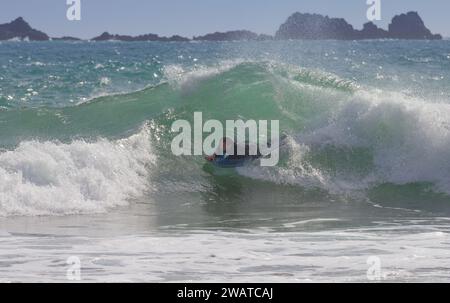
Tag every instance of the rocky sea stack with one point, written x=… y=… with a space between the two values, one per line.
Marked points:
x=314 y=26
x=410 y=26
x=20 y=29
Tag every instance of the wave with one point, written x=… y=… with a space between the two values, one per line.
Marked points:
x=370 y=139
x=343 y=137
x=53 y=178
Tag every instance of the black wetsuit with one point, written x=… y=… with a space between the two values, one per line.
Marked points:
x=246 y=154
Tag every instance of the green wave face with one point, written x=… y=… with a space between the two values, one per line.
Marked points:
x=245 y=91
x=342 y=138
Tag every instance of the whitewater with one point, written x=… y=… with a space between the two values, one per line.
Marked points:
x=86 y=168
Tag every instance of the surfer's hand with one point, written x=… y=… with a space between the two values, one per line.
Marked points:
x=209 y=158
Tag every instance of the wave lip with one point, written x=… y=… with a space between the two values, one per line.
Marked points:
x=53 y=178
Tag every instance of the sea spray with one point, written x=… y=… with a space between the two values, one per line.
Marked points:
x=53 y=178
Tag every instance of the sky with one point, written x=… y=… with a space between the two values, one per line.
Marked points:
x=197 y=17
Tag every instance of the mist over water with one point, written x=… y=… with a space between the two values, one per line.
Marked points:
x=85 y=134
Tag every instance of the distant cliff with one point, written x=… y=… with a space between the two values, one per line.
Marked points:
x=148 y=37
x=19 y=29
x=240 y=35
x=314 y=26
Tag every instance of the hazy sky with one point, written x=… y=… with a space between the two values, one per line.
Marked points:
x=196 y=17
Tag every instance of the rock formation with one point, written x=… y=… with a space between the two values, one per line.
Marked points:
x=19 y=29
x=147 y=37
x=240 y=35
x=314 y=26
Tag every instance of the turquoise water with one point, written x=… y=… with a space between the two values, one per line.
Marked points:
x=85 y=134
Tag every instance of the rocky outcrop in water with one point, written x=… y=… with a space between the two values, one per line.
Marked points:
x=297 y=26
x=371 y=31
x=410 y=26
x=240 y=35
x=148 y=37
x=66 y=38
x=19 y=29
x=314 y=26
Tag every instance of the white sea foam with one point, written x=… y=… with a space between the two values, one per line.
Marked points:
x=409 y=140
x=406 y=254
x=409 y=137
x=52 y=178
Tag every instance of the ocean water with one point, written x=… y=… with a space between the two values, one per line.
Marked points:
x=86 y=168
